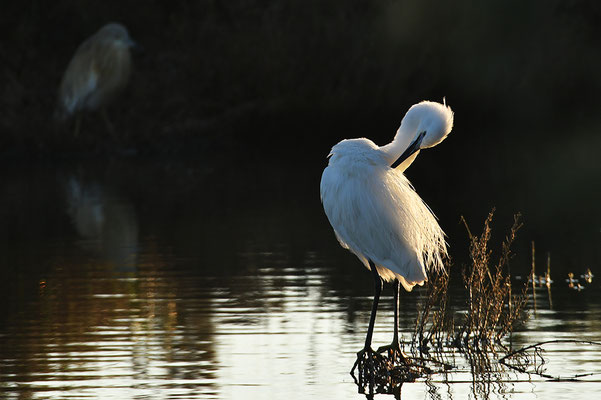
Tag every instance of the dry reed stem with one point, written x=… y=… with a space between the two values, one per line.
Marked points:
x=492 y=307
x=492 y=311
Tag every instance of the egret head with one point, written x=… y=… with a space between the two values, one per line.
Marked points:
x=425 y=125
x=116 y=34
x=435 y=119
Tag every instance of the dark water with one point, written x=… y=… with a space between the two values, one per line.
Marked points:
x=166 y=280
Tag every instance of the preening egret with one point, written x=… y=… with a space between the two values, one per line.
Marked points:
x=375 y=211
x=98 y=71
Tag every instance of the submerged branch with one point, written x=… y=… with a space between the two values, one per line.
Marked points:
x=538 y=345
x=537 y=361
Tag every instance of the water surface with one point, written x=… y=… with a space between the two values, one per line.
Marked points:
x=166 y=280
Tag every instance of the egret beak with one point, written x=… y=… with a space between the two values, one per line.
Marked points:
x=413 y=147
x=135 y=46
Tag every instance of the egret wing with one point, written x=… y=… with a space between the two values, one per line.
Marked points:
x=378 y=216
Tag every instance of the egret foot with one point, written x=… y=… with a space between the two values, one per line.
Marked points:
x=370 y=367
x=395 y=354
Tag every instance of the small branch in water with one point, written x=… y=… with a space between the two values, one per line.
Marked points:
x=537 y=348
x=523 y=349
x=548 y=280
x=533 y=277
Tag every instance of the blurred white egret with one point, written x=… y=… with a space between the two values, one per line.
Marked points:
x=98 y=71
x=376 y=213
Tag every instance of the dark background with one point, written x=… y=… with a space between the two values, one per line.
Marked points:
x=343 y=64
x=233 y=83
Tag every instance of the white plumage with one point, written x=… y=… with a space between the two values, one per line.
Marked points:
x=374 y=209
x=97 y=73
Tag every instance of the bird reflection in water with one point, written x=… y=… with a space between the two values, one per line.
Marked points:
x=97 y=73
x=107 y=223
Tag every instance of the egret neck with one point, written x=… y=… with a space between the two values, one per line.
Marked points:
x=412 y=149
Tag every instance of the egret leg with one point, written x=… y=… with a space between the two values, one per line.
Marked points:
x=374 y=307
x=397 y=287
x=394 y=348
x=369 y=363
x=77 y=124
x=107 y=122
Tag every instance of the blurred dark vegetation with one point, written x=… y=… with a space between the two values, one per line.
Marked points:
x=307 y=73
x=234 y=82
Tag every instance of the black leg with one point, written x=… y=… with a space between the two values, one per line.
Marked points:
x=397 y=287
x=374 y=308
x=394 y=349
x=107 y=122
x=369 y=363
x=78 y=118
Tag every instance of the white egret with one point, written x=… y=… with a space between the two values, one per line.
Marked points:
x=98 y=71
x=376 y=213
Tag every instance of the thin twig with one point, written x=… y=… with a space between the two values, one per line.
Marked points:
x=524 y=349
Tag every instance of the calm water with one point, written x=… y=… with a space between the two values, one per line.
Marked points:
x=166 y=280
